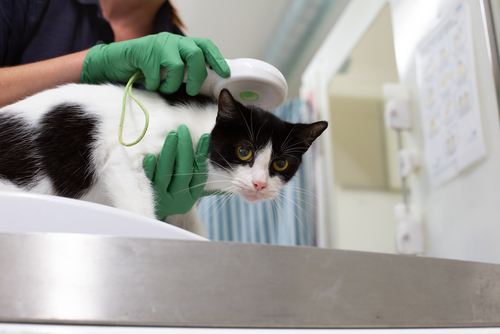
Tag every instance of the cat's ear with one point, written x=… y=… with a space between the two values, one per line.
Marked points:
x=309 y=132
x=228 y=106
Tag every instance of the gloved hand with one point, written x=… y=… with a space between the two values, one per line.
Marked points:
x=180 y=175
x=119 y=61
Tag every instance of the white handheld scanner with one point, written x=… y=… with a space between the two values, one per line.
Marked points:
x=252 y=82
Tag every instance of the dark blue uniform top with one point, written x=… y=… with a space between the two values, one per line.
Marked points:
x=34 y=30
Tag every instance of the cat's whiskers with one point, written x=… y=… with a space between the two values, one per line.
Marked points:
x=187 y=189
x=202 y=185
x=293 y=152
x=224 y=183
x=251 y=123
x=223 y=173
x=224 y=200
x=249 y=131
x=297 y=144
x=304 y=191
x=197 y=173
x=215 y=163
x=227 y=196
x=223 y=168
x=287 y=139
x=257 y=136
x=240 y=183
x=226 y=180
x=281 y=197
x=305 y=202
x=278 y=204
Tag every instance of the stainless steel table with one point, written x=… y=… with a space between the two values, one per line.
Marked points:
x=99 y=280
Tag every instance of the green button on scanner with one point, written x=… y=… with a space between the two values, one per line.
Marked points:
x=249 y=96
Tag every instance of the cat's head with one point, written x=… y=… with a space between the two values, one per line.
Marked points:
x=253 y=152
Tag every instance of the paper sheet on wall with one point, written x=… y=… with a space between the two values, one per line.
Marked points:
x=448 y=97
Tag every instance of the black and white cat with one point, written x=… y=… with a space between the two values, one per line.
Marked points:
x=64 y=141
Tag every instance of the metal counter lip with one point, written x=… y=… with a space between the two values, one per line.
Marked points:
x=117 y=281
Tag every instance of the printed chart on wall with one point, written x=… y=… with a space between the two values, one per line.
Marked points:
x=448 y=97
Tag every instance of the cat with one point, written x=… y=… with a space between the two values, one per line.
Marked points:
x=64 y=141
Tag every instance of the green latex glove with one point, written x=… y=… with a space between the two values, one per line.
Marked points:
x=119 y=61
x=180 y=175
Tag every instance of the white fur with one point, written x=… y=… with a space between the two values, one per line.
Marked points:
x=121 y=181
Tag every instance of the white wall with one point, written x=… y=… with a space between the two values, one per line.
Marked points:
x=345 y=35
x=357 y=229
x=462 y=216
x=363 y=197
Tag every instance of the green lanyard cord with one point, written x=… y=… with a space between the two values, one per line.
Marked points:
x=128 y=90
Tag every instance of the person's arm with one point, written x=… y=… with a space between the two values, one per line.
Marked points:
x=18 y=82
x=119 y=61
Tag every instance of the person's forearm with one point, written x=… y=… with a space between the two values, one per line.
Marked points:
x=18 y=82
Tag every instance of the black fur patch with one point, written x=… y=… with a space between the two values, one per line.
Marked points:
x=18 y=154
x=181 y=98
x=65 y=138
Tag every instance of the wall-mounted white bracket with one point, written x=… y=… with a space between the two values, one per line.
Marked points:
x=410 y=230
x=408 y=161
x=397 y=107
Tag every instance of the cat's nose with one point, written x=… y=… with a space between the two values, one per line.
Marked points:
x=259 y=185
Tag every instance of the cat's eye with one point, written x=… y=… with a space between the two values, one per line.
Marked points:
x=280 y=165
x=244 y=153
